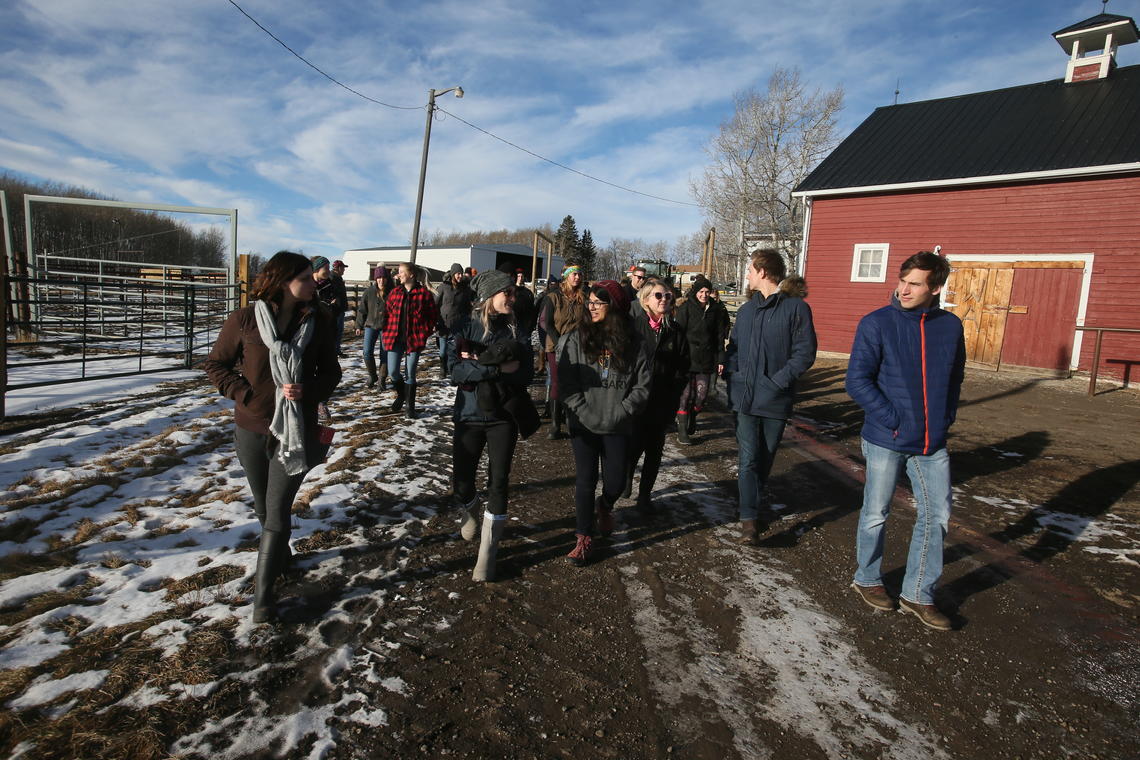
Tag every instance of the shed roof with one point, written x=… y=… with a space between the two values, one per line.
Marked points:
x=1045 y=127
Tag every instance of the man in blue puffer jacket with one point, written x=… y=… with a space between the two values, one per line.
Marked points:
x=772 y=343
x=906 y=371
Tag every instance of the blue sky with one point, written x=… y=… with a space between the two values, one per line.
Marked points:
x=189 y=103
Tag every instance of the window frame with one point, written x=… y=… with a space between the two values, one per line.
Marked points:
x=861 y=248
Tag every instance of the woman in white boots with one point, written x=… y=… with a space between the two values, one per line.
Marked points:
x=492 y=367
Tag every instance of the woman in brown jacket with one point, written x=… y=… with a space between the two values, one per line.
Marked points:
x=564 y=312
x=276 y=360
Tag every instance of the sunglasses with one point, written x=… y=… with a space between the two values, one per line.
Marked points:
x=663 y=296
x=595 y=304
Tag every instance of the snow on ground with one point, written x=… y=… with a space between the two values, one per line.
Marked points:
x=147 y=497
x=133 y=523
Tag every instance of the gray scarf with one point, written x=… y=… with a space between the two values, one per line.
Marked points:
x=285 y=363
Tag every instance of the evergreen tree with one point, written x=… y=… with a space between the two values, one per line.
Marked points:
x=566 y=240
x=588 y=256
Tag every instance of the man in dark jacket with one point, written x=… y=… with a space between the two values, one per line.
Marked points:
x=906 y=371
x=771 y=345
x=453 y=299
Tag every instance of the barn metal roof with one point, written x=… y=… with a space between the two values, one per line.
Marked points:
x=1045 y=127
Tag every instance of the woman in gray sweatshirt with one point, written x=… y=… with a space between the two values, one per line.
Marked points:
x=604 y=370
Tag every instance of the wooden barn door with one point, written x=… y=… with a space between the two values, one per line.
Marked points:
x=979 y=294
x=1021 y=313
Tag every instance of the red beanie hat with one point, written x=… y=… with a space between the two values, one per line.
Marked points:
x=614 y=292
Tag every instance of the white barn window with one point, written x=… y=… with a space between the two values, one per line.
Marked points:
x=869 y=264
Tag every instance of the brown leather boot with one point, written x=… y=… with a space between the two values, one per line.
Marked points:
x=749 y=533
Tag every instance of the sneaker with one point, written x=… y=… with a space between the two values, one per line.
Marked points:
x=927 y=613
x=875 y=596
x=581 y=552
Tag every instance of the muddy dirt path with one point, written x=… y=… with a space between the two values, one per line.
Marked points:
x=679 y=642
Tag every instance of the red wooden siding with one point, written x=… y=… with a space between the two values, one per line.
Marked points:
x=1097 y=216
x=1043 y=336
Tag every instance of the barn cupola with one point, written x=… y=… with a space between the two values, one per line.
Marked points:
x=1091 y=45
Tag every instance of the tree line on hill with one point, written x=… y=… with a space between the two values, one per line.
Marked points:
x=108 y=234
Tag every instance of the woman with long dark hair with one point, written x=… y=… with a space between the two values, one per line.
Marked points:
x=412 y=317
x=669 y=348
x=492 y=366
x=276 y=359
x=604 y=371
x=706 y=328
x=370 y=317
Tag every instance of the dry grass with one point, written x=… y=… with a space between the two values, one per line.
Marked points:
x=322 y=539
x=113 y=561
x=50 y=600
x=19 y=531
x=213 y=576
x=22 y=563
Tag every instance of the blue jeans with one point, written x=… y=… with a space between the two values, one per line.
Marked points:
x=339 y=329
x=757 y=438
x=371 y=335
x=930 y=480
x=411 y=359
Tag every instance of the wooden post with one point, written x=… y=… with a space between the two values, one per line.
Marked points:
x=4 y=346
x=243 y=280
x=23 y=309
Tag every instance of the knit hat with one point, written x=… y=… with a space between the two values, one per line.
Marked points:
x=380 y=273
x=700 y=281
x=456 y=268
x=612 y=293
x=490 y=282
x=319 y=262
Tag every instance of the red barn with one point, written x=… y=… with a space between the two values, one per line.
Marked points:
x=1033 y=193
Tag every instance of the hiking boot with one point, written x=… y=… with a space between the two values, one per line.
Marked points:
x=875 y=596
x=582 y=550
x=927 y=613
x=605 y=517
x=750 y=532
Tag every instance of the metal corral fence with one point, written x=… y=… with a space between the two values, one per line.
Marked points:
x=87 y=326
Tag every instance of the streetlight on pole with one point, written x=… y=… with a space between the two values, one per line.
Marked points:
x=423 y=162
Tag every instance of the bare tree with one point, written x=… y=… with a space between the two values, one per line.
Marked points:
x=771 y=143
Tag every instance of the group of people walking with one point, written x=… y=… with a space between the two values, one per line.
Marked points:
x=622 y=362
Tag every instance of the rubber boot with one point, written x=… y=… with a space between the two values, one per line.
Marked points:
x=284 y=555
x=398 y=385
x=693 y=421
x=410 y=410
x=488 y=547
x=683 y=428
x=382 y=371
x=556 y=416
x=268 y=564
x=470 y=526
x=370 y=366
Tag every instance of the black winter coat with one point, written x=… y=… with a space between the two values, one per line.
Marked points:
x=706 y=329
x=669 y=349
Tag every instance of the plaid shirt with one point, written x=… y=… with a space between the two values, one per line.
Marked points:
x=422 y=317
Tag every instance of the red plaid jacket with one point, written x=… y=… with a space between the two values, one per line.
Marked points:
x=424 y=315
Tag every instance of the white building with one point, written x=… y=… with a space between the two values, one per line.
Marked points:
x=438 y=259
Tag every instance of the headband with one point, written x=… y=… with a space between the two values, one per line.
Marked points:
x=571 y=270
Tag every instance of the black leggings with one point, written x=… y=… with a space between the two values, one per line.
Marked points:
x=613 y=451
x=273 y=490
x=649 y=439
x=467 y=445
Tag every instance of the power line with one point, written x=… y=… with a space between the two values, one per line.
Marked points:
x=303 y=60
x=473 y=126
x=563 y=166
